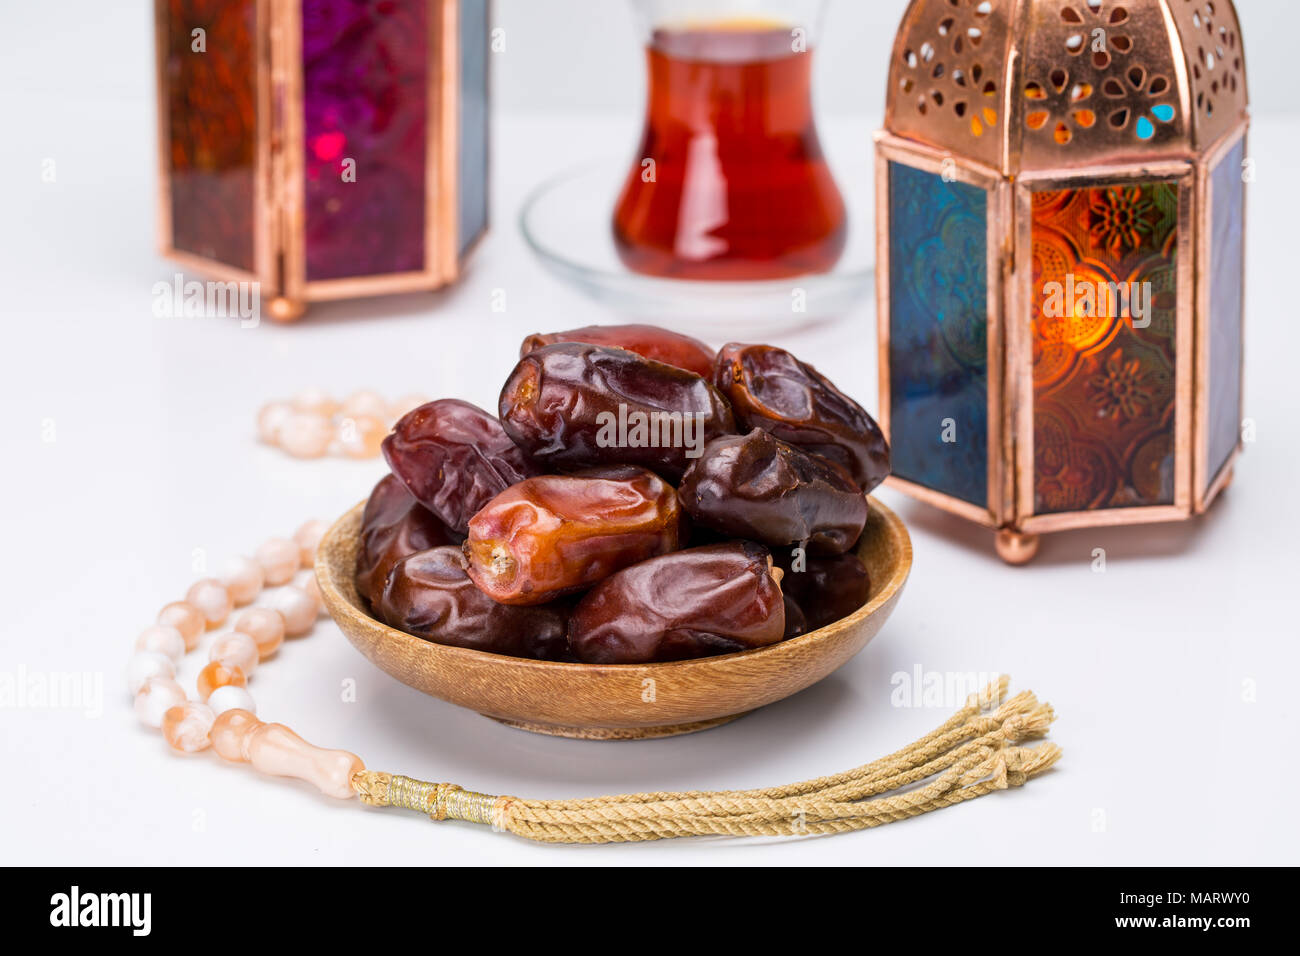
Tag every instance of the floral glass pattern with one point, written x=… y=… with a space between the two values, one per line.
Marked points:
x=1103 y=372
x=365 y=83
x=211 y=127
x=938 y=333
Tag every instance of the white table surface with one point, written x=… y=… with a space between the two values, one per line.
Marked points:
x=1170 y=671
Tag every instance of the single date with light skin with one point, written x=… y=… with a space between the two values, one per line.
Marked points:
x=556 y=534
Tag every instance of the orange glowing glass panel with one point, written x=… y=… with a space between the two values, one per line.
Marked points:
x=1105 y=296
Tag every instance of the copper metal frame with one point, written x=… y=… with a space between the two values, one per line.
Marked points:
x=1010 y=386
x=1019 y=363
x=1205 y=492
x=890 y=148
x=952 y=56
x=263 y=244
x=278 y=217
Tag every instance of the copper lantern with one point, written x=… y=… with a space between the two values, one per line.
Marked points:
x=1060 y=200
x=322 y=148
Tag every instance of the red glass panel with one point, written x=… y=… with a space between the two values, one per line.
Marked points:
x=210 y=96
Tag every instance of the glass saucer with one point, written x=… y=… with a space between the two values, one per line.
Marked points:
x=566 y=222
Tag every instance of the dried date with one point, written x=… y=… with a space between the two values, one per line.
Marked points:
x=454 y=457
x=756 y=486
x=826 y=589
x=572 y=405
x=429 y=594
x=693 y=603
x=393 y=525
x=556 y=534
x=648 y=341
x=796 y=622
x=771 y=389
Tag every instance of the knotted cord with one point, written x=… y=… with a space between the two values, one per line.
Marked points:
x=971 y=754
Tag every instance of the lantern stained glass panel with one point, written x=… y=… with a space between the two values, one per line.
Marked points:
x=365 y=121
x=472 y=197
x=938 y=317
x=1104 y=333
x=210 y=78
x=1227 y=251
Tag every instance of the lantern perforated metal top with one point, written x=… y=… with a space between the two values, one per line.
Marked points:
x=1040 y=84
x=324 y=149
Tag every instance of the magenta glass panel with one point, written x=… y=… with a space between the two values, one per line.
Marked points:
x=365 y=104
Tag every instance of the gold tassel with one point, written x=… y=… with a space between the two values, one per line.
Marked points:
x=970 y=755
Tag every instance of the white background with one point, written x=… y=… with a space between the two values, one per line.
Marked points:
x=1168 y=759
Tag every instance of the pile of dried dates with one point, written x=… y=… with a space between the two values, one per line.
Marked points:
x=636 y=498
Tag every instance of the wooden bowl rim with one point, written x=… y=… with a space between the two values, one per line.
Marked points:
x=893 y=525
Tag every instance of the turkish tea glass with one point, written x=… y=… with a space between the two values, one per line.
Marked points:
x=729 y=181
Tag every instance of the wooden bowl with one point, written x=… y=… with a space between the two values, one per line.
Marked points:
x=615 y=701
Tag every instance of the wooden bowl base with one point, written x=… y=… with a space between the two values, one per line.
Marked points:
x=606 y=701
x=619 y=733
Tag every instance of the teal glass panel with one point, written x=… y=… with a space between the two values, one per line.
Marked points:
x=938 y=340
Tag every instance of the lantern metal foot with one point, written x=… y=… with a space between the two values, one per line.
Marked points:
x=1015 y=547
x=283 y=309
